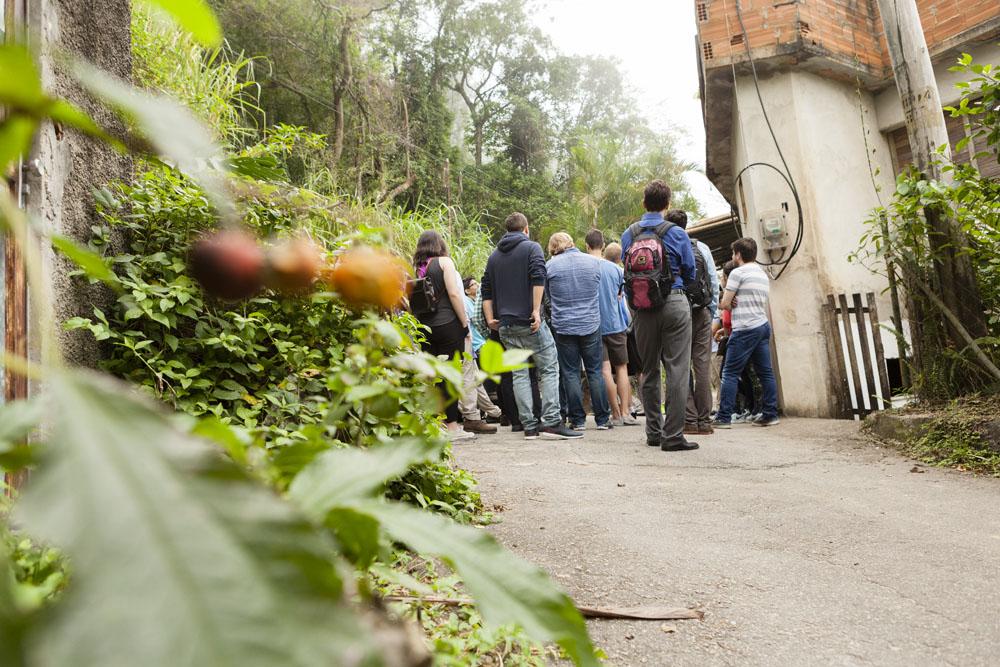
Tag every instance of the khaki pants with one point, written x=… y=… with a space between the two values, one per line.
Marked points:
x=699 y=402
x=474 y=396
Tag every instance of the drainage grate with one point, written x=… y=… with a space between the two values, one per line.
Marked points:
x=706 y=51
x=736 y=39
x=702 y=11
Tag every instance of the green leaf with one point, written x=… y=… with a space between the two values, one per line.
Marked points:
x=493 y=360
x=214 y=429
x=194 y=16
x=340 y=476
x=161 y=529
x=20 y=84
x=176 y=134
x=506 y=589
x=263 y=168
x=12 y=622
x=16 y=133
x=357 y=534
x=90 y=262
x=18 y=419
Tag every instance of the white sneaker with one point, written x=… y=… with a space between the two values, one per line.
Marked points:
x=456 y=435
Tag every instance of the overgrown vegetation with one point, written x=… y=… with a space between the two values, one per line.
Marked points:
x=255 y=520
x=963 y=433
x=954 y=353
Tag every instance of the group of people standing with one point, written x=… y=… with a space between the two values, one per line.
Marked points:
x=576 y=314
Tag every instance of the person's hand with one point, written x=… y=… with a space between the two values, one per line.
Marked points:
x=536 y=321
x=494 y=325
x=719 y=335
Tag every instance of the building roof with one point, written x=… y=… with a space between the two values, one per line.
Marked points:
x=830 y=38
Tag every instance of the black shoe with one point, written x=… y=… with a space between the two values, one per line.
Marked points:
x=493 y=420
x=531 y=434
x=653 y=443
x=766 y=421
x=605 y=427
x=680 y=447
x=560 y=433
x=517 y=428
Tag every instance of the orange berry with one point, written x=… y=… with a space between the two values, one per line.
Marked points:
x=365 y=276
x=294 y=265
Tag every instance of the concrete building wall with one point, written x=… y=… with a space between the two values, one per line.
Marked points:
x=66 y=167
x=818 y=123
x=888 y=108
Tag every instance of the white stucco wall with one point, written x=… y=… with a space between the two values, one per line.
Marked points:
x=888 y=108
x=818 y=123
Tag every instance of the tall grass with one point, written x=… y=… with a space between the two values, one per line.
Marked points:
x=217 y=84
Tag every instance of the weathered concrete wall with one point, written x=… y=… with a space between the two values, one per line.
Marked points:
x=818 y=123
x=889 y=109
x=66 y=166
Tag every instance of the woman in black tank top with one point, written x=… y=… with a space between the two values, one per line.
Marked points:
x=449 y=326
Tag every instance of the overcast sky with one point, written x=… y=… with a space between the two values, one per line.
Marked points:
x=654 y=41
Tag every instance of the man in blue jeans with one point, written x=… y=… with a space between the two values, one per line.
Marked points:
x=747 y=293
x=574 y=283
x=512 y=287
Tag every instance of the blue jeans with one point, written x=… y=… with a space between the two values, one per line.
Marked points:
x=748 y=346
x=544 y=358
x=590 y=349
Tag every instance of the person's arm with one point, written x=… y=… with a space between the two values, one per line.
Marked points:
x=486 y=290
x=537 y=293
x=713 y=277
x=729 y=298
x=536 y=276
x=453 y=285
x=686 y=255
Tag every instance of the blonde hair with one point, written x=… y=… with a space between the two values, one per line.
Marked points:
x=560 y=242
x=613 y=252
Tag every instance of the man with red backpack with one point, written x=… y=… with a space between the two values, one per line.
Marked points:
x=659 y=264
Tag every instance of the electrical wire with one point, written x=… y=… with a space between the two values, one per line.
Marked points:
x=786 y=174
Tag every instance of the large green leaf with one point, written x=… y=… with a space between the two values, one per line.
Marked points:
x=16 y=133
x=11 y=619
x=506 y=589
x=20 y=84
x=178 y=557
x=175 y=133
x=92 y=264
x=340 y=476
x=17 y=420
x=194 y=16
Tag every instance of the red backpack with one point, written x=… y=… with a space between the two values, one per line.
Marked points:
x=648 y=277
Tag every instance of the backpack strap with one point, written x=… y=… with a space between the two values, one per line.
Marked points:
x=635 y=229
x=663 y=228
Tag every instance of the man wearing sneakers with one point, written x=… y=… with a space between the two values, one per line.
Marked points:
x=746 y=296
x=574 y=281
x=657 y=270
x=512 y=287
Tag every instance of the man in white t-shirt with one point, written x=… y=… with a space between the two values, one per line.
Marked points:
x=747 y=293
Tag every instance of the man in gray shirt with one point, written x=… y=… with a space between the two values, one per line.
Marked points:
x=747 y=293
x=574 y=280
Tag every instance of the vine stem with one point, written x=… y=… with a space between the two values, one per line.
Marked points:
x=16 y=222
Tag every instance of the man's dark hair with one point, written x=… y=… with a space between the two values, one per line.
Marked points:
x=728 y=267
x=745 y=248
x=466 y=282
x=516 y=222
x=594 y=239
x=656 y=196
x=678 y=217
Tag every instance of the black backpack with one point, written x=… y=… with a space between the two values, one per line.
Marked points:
x=424 y=296
x=699 y=292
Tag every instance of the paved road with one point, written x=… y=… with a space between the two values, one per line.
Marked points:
x=802 y=543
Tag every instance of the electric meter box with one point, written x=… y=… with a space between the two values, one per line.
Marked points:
x=774 y=229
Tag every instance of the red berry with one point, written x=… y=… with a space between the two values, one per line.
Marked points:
x=228 y=264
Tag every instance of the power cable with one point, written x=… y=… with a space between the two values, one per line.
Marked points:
x=786 y=174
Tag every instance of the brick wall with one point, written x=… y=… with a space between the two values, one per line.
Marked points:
x=849 y=31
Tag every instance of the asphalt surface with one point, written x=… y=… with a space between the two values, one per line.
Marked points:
x=802 y=543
